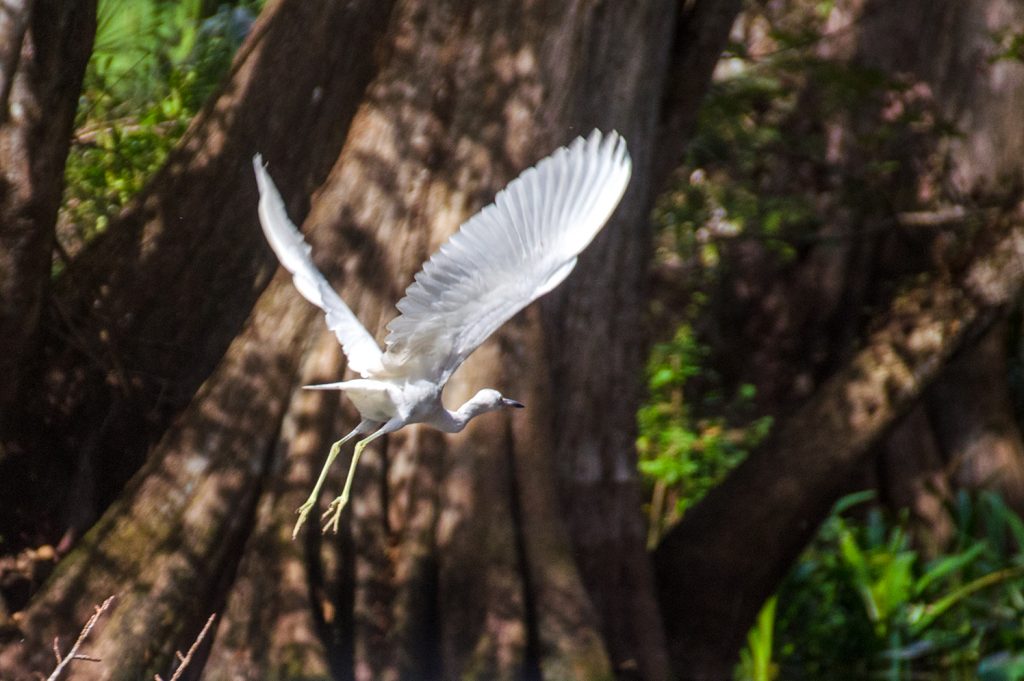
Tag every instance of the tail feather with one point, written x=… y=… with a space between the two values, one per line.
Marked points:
x=327 y=386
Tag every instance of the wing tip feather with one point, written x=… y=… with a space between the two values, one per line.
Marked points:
x=597 y=167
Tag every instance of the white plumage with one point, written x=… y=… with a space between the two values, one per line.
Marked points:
x=503 y=258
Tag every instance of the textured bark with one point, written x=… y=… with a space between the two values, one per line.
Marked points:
x=145 y=313
x=964 y=436
x=492 y=92
x=774 y=501
x=912 y=474
x=731 y=550
x=44 y=48
x=171 y=542
x=972 y=416
x=466 y=507
x=274 y=622
x=701 y=33
x=514 y=549
x=591 y=388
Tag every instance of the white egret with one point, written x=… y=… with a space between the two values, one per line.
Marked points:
x=507 y=255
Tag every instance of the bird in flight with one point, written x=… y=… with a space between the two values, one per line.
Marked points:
x=509 y=254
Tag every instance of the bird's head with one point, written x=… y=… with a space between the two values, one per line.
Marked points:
x=487 y=400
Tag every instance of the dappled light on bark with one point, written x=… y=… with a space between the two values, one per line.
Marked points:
x=477 y=555
x=925 y=281
x=151 y=305
x=178 y=529
x=273 y=623
x=44 y=49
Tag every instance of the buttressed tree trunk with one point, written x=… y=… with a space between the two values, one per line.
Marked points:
x=514 y=548
x=467 y=532
x=44 y=47
x=166 y=547
x=782 y=492
x=736 y=557
x=142 y=316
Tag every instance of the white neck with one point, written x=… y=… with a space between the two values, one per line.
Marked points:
x=455 y=421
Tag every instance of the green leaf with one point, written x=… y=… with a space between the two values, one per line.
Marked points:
x=946 y=565
x=936 y=609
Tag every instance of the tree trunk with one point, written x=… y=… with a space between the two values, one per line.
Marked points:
x=44 y=48
x=964 y=436
x=481 y=528
x=529 y=567
x=913 y=475
x=972 y=415
x=702 y=30
x=144 y=314
x=720 y=578
x=277 y=621
x=719 y=575
x=171 y=543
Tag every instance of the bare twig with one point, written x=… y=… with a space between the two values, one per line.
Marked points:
x=191 y=651
x=73 y=654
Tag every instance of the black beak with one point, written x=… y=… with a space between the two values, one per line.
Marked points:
x=513 y=403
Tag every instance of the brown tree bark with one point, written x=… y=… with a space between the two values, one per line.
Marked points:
x=972 y=416
x=912 y=475
x=702 y=29
x=277 y=620
x=708 y=569
x=166 y=549
x=512 y=549
x=964 y=436
x=144 y=314
x=44 y=48
x=774 y=501
x=508 y=589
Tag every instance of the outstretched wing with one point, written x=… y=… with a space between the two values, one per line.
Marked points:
x=507 y=255
x=363 y=353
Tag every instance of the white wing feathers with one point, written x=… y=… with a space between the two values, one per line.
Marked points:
x=363 y=353
x=507 y=255
x=502 y=259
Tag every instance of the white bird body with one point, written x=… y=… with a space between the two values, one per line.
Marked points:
x=510 y=253
x=382 y=400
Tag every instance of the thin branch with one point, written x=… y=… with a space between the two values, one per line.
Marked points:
x=73 y=654
x=191 y=651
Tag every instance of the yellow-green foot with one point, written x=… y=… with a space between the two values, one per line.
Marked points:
x=332 y=515
x=303 y=512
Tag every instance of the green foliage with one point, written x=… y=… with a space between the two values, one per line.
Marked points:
x=793 y=150
x=756 y=660
x=788 y=141
x=685 y=449
x=154 y=64
x=1010 y=46
x=730 y=192
x=863 y=603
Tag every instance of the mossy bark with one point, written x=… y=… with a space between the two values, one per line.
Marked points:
x=167 y=547
x=275 y=623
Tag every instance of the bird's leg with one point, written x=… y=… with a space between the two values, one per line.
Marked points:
x=332 y=516
x=304 y=510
